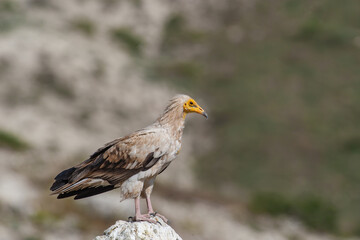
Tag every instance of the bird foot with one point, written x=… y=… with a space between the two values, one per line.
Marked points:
x=153 y=214
x=145 y=217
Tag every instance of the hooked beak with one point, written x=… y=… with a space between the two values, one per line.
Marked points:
x=201 y=111
x=205 y=115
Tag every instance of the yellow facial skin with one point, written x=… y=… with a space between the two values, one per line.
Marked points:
x=191 y=106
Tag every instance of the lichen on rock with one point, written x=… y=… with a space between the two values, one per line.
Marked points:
x=123 y=230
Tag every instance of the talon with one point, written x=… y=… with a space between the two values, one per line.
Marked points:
x=145 y=217
x=153 y=214
x=130 y=219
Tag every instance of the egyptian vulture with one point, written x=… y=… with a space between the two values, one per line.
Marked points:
x=131 y=163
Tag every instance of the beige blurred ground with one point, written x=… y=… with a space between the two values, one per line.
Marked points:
x=66 y=92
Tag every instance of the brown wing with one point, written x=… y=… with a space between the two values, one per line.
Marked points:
x=111 y=165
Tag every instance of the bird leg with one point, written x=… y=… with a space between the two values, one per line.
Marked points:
x=138 y=215
x=151 y=211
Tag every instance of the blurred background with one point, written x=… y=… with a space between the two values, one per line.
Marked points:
x=277 y=159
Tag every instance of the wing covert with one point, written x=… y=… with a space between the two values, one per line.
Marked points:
x=122 y=158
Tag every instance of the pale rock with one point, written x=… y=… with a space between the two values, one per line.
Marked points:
x=123 y=230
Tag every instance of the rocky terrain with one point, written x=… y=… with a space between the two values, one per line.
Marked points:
x=72 y=78
x=123 y=230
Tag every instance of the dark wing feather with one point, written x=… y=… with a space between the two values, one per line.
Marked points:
x=62 y=178
x=108 y=167
x=164 y=167
x=149 y=161
x=83 y=193
x=88 y=192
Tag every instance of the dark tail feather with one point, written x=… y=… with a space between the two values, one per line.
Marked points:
x=87 y=192
x=93 y=191
x=62 y=178
x=67 y=194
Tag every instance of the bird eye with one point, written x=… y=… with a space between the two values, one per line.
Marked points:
x=191 y=103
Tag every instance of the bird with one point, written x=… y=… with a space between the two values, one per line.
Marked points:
x=131 y=163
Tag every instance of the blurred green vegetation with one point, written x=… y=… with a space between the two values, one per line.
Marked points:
x=126 y=38
x=43 y=217
x=176 y=33
x=271 y=203
x=33 y=238
x=83 y=25
x=11 y=141
x=11 y=15
x=282 y=85
x=313 y=211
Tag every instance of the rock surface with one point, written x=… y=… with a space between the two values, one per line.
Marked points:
x=123 y=230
